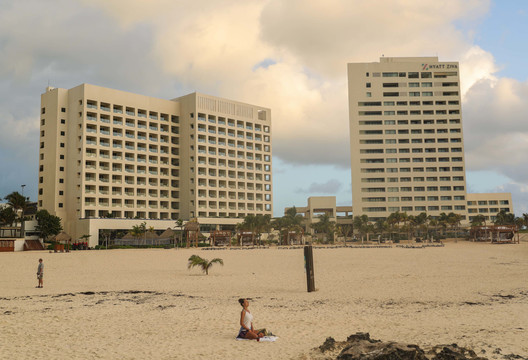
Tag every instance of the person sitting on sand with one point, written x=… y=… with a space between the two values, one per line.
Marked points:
x=246 y=323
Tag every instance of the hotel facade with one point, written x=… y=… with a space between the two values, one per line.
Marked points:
x=406 y=139
x=110 y=159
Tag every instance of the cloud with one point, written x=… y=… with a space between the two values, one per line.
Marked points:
x=332 y=186
x=496 y=130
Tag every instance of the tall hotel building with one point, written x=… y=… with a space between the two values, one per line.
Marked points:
x=104 y=151
x=406 y=141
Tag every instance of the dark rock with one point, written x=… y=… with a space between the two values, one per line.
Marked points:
x=360 y=336
x=328 y=345
x=453 y=352
x=514 y=357
x=360 y=346
x=381 y=351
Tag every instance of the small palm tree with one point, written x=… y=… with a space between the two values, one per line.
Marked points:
x=205 y=264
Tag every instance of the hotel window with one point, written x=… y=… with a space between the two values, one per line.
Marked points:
x=368 y=85
x=63 y=110
x=63 y=121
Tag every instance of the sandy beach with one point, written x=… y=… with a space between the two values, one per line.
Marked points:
x=145 y=304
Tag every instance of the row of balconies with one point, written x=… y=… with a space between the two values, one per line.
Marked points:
x=131 y=111
x=238 y=134
x=233 y=123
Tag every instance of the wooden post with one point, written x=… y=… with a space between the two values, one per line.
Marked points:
x=308 y=265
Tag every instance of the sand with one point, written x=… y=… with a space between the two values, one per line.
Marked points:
x=137 y=304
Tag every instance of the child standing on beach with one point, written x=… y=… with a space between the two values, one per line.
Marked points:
x=40 y=273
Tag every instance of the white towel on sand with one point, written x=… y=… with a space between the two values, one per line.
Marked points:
x=264 y=338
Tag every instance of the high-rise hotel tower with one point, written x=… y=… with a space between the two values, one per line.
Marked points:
x=108 y=156
x=406 y=141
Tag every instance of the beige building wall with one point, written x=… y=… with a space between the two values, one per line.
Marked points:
x=406 y=137
x=226 y=163
x=488 y=205
x=105 y=151
x=318 y=205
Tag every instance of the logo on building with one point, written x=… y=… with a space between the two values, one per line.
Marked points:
x=439 y=66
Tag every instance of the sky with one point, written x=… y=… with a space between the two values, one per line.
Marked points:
x=289 y=56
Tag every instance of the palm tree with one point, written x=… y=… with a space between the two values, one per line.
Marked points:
x=346 y=230
x=292 y=221
x=434 y=224
x=421 y=221
x=325 y=226
x=7 y=216
x=361 y=225
x=205 y=264
x=396 y=218
x=179 y=224
x=525 y=217
x=504 y=218
x=136 y=231
x=262 y=224
x=443 y=220
x=381 y=226
x=478 y=220
x=19 y=203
